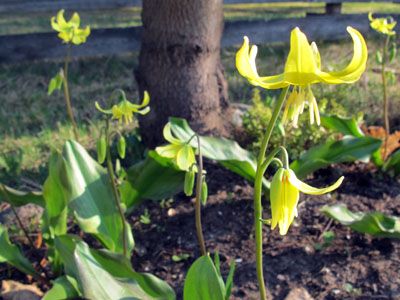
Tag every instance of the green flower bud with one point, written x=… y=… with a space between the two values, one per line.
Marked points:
x=189 y=182
x=204 y=191
x=101 y=149
x=121 y=146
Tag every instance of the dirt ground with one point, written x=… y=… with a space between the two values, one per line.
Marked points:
x=352 y=266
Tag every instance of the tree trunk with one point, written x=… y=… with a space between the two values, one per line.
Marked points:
x=180 y=66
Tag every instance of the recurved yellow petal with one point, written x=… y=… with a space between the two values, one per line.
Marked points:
x=167 y=133
x=307 y=189
x=169 y=151
x=185 y=157
x=357 y=65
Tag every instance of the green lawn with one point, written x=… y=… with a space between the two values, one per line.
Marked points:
x=32 y=123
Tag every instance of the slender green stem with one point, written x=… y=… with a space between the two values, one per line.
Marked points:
x=385 y=98
x=199 y=180
x=114 y=187
x=258 y=193
x=67 y=95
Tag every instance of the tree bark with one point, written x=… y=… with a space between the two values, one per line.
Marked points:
x=180 y=66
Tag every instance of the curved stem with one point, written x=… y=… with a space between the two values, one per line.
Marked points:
x=199 y=179
x=114 y=187
x=67 y=95
x=385 y=98
x=258 y=193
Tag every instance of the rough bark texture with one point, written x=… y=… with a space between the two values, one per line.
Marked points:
x=179 y=64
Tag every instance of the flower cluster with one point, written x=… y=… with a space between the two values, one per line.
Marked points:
x=69 y=31
x=382 y=25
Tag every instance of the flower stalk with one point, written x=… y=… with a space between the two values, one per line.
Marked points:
x=111 y=174
x=67 y=96
x=262 y=164
x=199 y=186
x=384 y=93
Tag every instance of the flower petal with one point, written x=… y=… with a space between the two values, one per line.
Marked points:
x=307 y=189
x=276 y=194
x=105 y=111
x=357 y=65
x=75 y=20
x=167 y=133
x=169 y=151
x=185 y=157
x=246 y=65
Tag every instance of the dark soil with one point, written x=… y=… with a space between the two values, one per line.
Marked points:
x=353 y=266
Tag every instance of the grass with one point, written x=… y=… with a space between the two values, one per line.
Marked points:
x=39 y=22
x=32 y=123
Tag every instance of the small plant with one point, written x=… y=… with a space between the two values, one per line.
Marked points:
x=327 y=240
x=70 y=33
x=145 y=217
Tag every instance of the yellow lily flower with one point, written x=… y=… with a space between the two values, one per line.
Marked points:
x=284 y=196
x=382 y=25
x=302 y=68
x=182 y=153
x=70 y=31
x=125 y=109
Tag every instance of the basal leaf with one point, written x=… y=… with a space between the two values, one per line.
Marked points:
x=11 y=254
x=374 y=223
x=64 y=287
x=154 y=178
x=346 y=126
x=203 y=282
x=103 y=275
x=19 y=198
x=348 y=149
x=227 y=152
x=88 y=190
x=393 y=163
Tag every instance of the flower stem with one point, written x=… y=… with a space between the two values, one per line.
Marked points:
x=67 y=95
x=199 y=180
x=114 y=187
x=385 y=98
x=258 y=193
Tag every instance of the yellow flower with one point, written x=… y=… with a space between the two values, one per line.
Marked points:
x=124 y=110
x=382 y=25
x=181 y=152
x=284 y=195
x=302 y=68
x=70 y=31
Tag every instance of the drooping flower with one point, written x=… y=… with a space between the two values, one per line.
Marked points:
x=124 y=110
x=284 y=196
x=69 y=31
x=182 y=153
x=302 y=69
x=382 y=25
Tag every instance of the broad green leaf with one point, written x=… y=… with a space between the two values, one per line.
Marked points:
x=346 y=126
x=64 y=287
x=393 y=163
x=19 y=198
x=374 y=223
x=203 y=282
x=11 y=254
x=348 y=149
x=227 y=152
x=56 y=213
x=88 y=190
x=105 y=275
x=55 y=83
x=154 y=178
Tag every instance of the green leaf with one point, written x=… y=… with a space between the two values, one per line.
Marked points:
x=374 y=223
x=19 y=198
x=11 y=254
x=203 y=282
x=56 y=212
x=154 y=178
x=55 y=83
x=227 y=152
x=229 y=280
x=393 y=163
x=102 y=274
x=348 y=149
x=64 y=287
x=346 y=126
x=88 y=190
